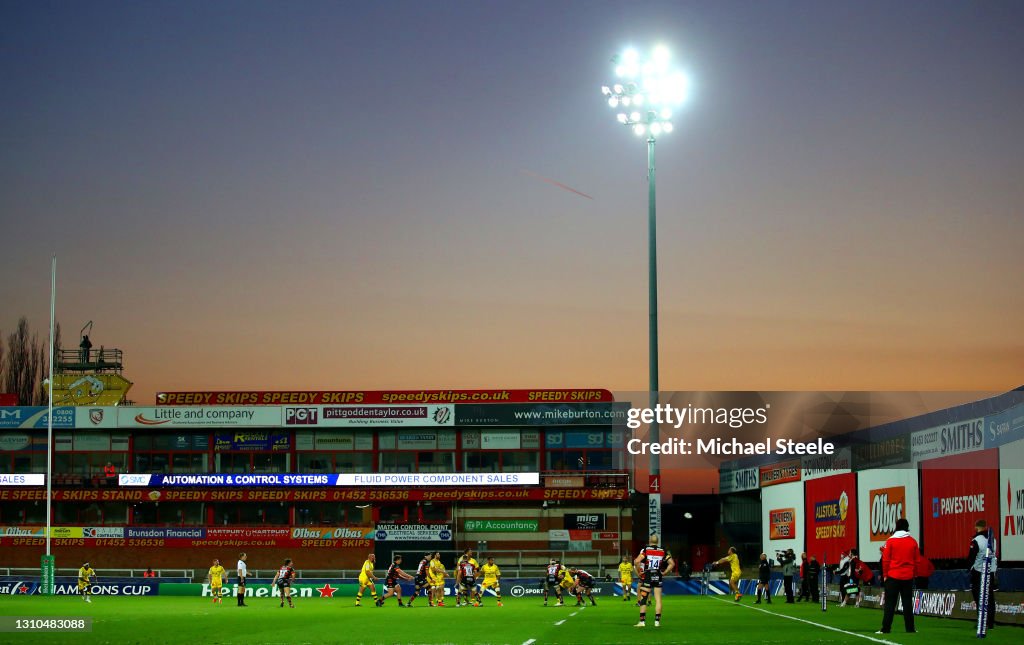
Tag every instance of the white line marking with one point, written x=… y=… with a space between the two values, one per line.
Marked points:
x=530 y=642
x=560 y=622
x=573 y=614
x=810 y=622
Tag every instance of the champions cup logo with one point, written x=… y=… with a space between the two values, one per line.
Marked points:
x=300 y=416
x=887 y=505
x=96 y=416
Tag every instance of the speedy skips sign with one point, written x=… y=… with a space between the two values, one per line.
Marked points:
x=831 y=514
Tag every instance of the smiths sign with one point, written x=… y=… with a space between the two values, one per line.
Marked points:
x=887 y=505
x=585 y=521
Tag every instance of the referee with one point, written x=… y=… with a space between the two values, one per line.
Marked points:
x=243 y=573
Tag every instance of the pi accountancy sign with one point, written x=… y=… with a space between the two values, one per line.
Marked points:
x=341 y=479
x=501 y=526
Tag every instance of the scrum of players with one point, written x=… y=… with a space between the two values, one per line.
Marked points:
x=472 y=580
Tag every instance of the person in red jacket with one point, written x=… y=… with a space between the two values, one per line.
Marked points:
x=900 y=561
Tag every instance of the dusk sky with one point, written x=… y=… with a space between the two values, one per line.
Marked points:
x=343 y=195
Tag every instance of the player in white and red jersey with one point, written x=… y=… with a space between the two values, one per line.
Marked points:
x=656 y=562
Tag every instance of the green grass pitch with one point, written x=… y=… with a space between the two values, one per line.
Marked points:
x=686 y=619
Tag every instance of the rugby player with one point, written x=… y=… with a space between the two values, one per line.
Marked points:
x=584 y=585
x=421 y=579
x=85 y=575
x=733 y=561
x=367 y=579
x=552 y=580
x=215 y=578
x=436 y=577
x=491 y=575
x=283 y=579
x=656 y=562
x=465 y=580
x=565 y=582
x=391 y=583
x=626 y=578
x=243 y=573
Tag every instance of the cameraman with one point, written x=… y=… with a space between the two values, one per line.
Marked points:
x=787 y=559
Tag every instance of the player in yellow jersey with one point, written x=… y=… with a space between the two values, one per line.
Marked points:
x=85 y=575
x=215 y=578
x=733 y=561
x=565 y=580
x=626 y=577
x=491 y=580
x=436 y=574
x=367 y=579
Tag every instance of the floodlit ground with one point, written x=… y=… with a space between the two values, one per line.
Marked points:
x=687 y=619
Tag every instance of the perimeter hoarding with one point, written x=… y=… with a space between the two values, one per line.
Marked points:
x=184 y=417
x=1011 y=501
x=884 y=496
x=372 y=397
x=831 y=516
x=334 y=494
x=736 y=481
x=957 y=491
x=782 y=508
x=947 y=440
x=36 y=417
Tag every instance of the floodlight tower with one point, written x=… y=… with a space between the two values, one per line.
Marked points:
x=645 y=93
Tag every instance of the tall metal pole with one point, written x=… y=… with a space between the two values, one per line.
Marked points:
x=654 y=487
x=652 y=286
x=49 y=416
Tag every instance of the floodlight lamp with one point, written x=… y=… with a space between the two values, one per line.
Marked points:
x=661 y=55
x=625 y=100
x=620 y=70
x=634 y=116
x=606 y=90
x=638 y=99
x=617 y=88
x=666 y=114
x=667 y=127
x=613 y=101
x=621 y=116
x=630 y=56
x=655 y=128
x=678 y=87
x=639 y=129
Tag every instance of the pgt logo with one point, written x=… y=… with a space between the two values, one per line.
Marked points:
x=300 y=416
